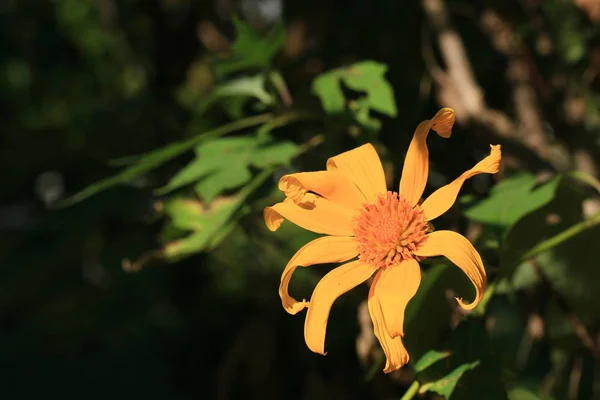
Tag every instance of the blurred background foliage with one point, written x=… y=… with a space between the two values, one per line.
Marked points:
x=140 y=141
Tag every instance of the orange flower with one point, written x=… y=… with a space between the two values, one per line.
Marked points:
x=388 y=231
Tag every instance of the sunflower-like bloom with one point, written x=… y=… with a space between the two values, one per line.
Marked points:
x=387 y=231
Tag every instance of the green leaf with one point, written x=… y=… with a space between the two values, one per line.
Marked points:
x=430 y=358
x=369 y=77
x=205 y=222
x=327 y=88
x=149 y=161
x=362 y=114
x=233 y=95
x=209 y=224
x=519 y=393
x=446 y=385
x=366 y=77
x=251 y=50
x=248 y=86
x=223 y=164
x=512 y=199
x=535 y=227
x=275 y=153
x=585 y=178
x=230 y=177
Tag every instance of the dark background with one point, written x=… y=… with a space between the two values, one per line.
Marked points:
x=83 y=82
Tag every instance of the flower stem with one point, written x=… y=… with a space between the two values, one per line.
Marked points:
x=412 y=391
x=562 y=236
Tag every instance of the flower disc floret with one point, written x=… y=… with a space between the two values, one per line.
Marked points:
x=389 y=230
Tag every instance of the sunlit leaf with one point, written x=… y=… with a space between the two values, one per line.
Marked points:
x=361 y=110
x=274 y=153
x=209 y=223
x=224 y=164
x=368 y=78
x=222 y=159
x=205 y=222
x=327 y=87
x=511 y=199
x=248 y=86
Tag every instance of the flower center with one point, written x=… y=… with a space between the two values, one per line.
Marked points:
x=389 y=230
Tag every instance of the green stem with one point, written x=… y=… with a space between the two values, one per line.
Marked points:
x=412 y=391
x=225 y=129
x=562 y=236
x=280 y=86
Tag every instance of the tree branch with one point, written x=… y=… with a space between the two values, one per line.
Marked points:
x=460 y=89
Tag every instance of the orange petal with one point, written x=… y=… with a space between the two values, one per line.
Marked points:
x=396 y=286
x=442 y=199
x=321 y=216
x=393 y=348
x=416 y=164
x=328 y=249
x=461 y=252
x=363 y=166
x=332 y=185
x=333 y=285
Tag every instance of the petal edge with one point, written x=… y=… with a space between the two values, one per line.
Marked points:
x=321 y=216
x=395 y=353
x=416 y=164
x=337 y=282
x=395 y=288
x=328 y=249
x=461 y=252
x=332 y=185
x=362 y=166
x=442 y=199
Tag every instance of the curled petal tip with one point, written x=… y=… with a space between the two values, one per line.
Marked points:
x=389 y=367
x=469 y=306
x=292 y=188
x=295 y=308
x=496 y=150
x=443 y=122
x=273 y=219
x=495 y=157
